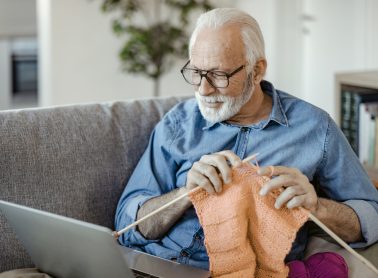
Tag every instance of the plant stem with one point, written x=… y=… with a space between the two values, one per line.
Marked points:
x=156 y=87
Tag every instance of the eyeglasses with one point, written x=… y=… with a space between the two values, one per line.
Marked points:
x=216 y=78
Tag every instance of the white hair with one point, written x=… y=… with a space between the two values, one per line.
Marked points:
x=250 y=31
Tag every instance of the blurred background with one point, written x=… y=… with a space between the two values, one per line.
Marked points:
x=57 y=52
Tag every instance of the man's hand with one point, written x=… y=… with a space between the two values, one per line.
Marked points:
x=212 y=171
x=298 y=191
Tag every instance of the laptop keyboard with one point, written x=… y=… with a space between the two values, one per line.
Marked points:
x=139 y=274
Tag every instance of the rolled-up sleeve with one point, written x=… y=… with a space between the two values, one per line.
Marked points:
x=128 y=216
x=368 y=218
x=153 y=176
x=343 y=179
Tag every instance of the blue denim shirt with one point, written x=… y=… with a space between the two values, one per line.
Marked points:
x=297 y=134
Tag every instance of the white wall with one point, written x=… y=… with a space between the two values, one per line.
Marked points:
x=339 y=39
x=307 y=42
x=371 y=36
x=265 y=12
x=280 y=23
x=18 y=18
x=79 y=58
x=288 y=47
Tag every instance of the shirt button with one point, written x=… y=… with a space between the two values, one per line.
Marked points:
x=197 y=237
x=184 y=254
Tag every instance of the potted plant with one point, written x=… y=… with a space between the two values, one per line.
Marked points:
x=156 y=32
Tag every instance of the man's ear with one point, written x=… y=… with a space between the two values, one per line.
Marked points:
x=259 y=70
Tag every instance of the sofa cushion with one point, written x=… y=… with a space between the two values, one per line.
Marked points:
x=71 y=160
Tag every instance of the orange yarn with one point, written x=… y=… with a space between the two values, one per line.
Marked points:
x=245 y=236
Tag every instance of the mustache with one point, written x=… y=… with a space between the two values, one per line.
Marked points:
x=212 y=98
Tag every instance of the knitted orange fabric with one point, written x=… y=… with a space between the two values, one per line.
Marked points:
x=245 y=236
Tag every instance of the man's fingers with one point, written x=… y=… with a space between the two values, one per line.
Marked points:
x=213 y=170
x=298 y=190
x=197 y=179
x=275 y=171
x=234 y=160
x=211 y=174
x=297 y=201
x=276 y=183
x=266 y=171
x=287 y=195
x=220 y=163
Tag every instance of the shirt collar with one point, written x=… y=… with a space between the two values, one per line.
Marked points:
x=277 y=115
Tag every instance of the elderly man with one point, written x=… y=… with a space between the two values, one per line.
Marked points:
x=237 y=113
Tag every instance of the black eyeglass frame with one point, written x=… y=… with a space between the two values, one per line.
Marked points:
x=204 y=73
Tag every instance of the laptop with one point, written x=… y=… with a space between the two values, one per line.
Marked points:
x=68 y=248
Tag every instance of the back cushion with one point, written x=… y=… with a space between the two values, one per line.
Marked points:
x=72 y=160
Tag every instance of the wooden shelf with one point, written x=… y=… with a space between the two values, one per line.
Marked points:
x=365 y=80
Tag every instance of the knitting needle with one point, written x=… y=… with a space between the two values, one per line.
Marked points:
x=249 y=158
x=338 y=239
x=311 y=216
x=120 y=232
x=343 y=243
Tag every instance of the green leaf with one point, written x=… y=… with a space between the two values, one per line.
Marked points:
x=150 y=50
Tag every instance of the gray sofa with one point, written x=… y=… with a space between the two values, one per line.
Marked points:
x=73 y=161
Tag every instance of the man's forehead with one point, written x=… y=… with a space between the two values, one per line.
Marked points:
x=215 y=47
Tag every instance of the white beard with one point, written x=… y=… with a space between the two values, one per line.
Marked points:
x=230 y=105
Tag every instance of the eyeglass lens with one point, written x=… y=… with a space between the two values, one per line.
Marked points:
x=194 y=77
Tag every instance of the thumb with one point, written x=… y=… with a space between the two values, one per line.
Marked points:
x=266 y=171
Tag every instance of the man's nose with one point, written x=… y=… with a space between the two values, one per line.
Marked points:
x=205 y=88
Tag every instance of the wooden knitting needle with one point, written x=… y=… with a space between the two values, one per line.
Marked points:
x=337 y=238
x=311 y=216
x=249 y=158
x=120 y=232
x=343 y=243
